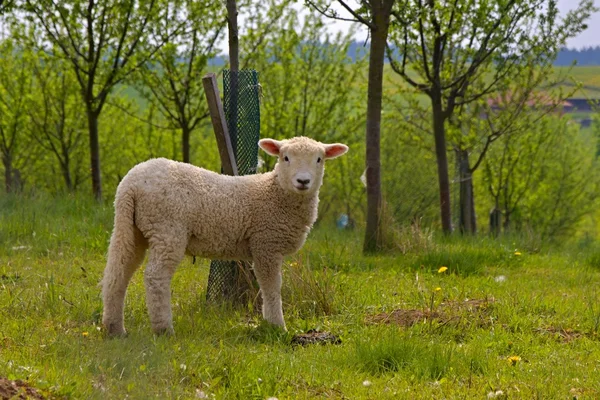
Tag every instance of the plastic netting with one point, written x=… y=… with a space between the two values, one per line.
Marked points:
x=241 y=102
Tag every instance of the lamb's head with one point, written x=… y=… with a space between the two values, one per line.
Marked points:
x=301 y=161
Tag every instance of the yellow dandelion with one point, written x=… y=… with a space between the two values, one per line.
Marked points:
x=517 y=253
x=437 y=289
x=513 y=360
x=442 y=269
x=84 y=334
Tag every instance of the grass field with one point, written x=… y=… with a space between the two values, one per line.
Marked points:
x=588 y=76
x=507 y=319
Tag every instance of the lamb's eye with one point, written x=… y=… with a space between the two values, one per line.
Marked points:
x=286 y=159
x=318 y=160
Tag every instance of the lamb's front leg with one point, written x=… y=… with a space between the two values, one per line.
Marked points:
x=268 y=274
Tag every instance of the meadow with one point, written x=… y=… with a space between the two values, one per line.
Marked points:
x=436 y=317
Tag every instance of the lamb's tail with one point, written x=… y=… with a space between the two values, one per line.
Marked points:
x=125 y=254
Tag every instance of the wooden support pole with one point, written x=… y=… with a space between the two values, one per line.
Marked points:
x=217 y=116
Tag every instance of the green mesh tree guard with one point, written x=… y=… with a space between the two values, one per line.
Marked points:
x=232 y=280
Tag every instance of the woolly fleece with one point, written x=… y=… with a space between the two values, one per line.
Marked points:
x=174 y=209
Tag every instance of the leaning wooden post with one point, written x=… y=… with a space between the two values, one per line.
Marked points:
x=227 y=280
x=217 y=116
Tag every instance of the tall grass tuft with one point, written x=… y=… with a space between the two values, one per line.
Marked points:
x=391 y=353
x=309 y=292
x=396 y=351
x=414 y=238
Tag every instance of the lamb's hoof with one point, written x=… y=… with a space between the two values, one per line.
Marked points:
x=115 y=331
x=168 y=331
x=277 y=326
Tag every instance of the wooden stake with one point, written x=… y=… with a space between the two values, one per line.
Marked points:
x=217 y=116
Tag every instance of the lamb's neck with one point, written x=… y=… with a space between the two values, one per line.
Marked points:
x=303 y=206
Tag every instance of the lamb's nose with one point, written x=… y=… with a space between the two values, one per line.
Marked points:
x=303 y=181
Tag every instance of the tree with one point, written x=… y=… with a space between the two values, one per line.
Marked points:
x=308 y=83
x=105 y=42
x=376 y=16
x=310 y=87
x=172 y=79
x=15 y=87
x=55 y=116
x=441 y=48
x=520 y=100
x=544 y=179
x=5 y=6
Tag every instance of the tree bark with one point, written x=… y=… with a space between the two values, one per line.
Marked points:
x=373 y=233
x=66 y=170
x=234 y=65
x=234 y=58
x=94 y=154
x=185 y=143
x=468 y=221
x=68 y=180
x=439 y=133
x=8 y=175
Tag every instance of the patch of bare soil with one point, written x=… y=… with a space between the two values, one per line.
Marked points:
x=445 y=313
x=404 y=318
x=17 y=390
x=563 y=334
x=314 y=337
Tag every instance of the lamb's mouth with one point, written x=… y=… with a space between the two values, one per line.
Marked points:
x=302 y=188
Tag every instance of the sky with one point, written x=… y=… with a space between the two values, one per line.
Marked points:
x=590 y=37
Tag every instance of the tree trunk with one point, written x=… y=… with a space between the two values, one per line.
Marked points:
x=234 y=58
x=185 y=144
x=439 y=133
x=506 y=223
x=468 y=222
x=234 y=65
x=495 y=216
x=67 y=176
x=8 y=175
x=94 y=154
x=65 y=165
x=373 y=233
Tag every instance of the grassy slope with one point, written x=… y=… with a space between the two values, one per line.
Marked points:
x=588 y=76
x=545 y=312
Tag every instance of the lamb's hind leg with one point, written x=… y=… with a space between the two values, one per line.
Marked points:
x=162 y=261
x=125 y=254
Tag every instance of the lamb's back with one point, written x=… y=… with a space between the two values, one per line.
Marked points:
x=212 y=211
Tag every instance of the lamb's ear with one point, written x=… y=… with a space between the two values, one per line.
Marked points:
x=335 y=150
x=270 y=146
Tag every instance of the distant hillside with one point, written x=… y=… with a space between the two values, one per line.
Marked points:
x=585 y=56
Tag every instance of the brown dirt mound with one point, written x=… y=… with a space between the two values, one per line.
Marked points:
x=446 y=313
x=403 y=317
x=17 y=390
x=565 y=335
x=314 y=337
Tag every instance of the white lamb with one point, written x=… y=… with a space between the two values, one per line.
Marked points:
x=174 y=208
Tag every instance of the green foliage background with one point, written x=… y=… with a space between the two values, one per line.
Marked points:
x=310 y=86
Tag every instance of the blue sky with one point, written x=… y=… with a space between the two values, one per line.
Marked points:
x=590 y=37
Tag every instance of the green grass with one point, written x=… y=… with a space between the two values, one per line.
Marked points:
x=539 y=304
